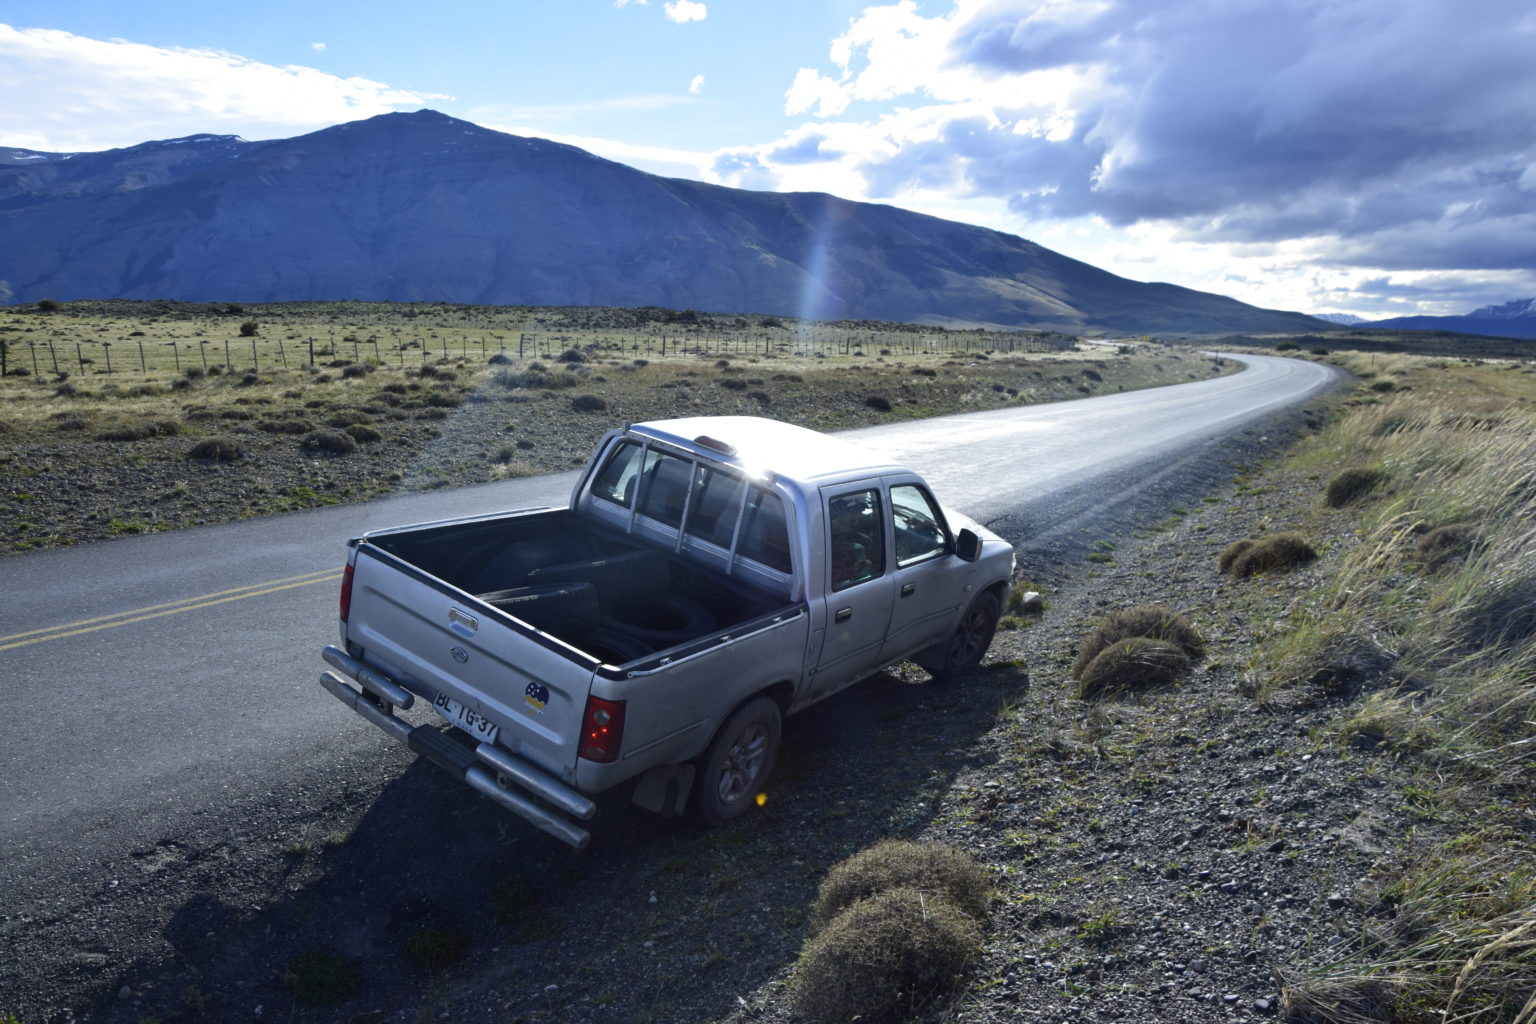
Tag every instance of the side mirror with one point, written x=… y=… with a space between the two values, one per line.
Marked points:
x=968 y=546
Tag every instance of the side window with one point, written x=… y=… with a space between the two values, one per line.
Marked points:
x=616 y=481
x=764 y=535
x=919 y=533
x=716 y=497
x=857 y=550
x=665 y=489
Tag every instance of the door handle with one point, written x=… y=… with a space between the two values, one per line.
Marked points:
x=843 y=615
x=909 y=590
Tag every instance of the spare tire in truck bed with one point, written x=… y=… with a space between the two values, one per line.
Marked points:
x=564 y=609
x=617 y=577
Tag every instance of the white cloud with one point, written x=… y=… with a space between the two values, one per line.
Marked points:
x=89 y=94
x=811 y=89
x=1281 y=139
x=683 y=11
x=317 y=47
x=697 y=85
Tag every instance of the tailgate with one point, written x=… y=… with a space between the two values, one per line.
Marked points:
x=436 y=640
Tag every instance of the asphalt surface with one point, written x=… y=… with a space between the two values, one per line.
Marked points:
x=159 y=678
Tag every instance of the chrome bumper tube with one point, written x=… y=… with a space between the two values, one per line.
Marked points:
x=470 y=766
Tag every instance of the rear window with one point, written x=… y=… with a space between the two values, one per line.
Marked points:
x=764 y=533
x=658 y=484
x=665 y=490
x=716 y=500
x=616 y=481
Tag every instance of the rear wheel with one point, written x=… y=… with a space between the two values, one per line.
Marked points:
x=738 y=762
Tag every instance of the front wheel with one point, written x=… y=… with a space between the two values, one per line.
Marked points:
x=968 y=644
x=737 y=763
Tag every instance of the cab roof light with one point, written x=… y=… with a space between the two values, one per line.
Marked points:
x=714 y=444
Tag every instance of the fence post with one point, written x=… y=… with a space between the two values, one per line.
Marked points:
x=142 y=367
x=5 y=348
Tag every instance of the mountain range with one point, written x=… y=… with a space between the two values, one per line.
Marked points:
x=425 y=207
x=1516 y=319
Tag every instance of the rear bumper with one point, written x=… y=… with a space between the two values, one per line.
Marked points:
x=486 y=768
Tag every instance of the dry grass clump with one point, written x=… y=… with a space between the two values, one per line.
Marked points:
x=1233 y=552
x=1279 y=551
x=1351 y=485
x=932 y=868
x=1137 y=662
x=139 y=431
x=336 y=442
x=885 y=958
x=217 y=449
x=898 y=924
x=1150 y=621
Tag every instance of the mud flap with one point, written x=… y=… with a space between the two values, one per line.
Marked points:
x=665 y=788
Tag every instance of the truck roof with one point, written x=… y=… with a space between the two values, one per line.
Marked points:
x=758 y=445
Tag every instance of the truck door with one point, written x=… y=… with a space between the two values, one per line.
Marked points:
x=929 y=591
x=858 y=593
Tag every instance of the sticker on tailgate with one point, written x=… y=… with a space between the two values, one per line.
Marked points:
x=536 y=696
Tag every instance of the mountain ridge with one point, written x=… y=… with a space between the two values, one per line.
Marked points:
x=425 y=207
x=1513 y=319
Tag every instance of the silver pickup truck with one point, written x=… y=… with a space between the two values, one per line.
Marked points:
x=710 y=576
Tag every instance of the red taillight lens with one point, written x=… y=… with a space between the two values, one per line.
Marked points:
x=602 y=730
x=346 y=593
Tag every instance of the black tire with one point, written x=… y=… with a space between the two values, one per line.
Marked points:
x=617 y=577
x=662 y=620
x=564 y=609
x=967 y=645
x=510 y=566
x=733 y=770
x=612 y=647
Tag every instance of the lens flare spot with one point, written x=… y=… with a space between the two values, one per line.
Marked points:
x=762 y=798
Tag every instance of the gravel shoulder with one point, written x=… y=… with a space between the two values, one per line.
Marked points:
x=1158 y=857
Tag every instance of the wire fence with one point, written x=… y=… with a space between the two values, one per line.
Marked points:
x=401 y=348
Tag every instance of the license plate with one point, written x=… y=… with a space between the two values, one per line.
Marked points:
x=472 y=722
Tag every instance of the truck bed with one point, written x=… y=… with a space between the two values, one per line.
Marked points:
x=647 y=599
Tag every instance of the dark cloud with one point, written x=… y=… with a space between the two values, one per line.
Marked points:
x=1383 y=122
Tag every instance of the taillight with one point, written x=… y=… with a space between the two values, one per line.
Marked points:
x=346 y=593
x=602 y=730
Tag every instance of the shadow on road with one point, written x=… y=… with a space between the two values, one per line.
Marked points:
x=432 y=900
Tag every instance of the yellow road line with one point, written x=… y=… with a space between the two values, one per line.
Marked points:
x=157 y=611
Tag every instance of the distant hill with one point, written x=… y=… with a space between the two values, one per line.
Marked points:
x=1515 y=319
x=424 y=207
x=1343 y=319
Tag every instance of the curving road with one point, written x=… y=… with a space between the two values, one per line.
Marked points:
x=159 y=677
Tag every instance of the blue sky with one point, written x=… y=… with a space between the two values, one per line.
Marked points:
x=1376 y=157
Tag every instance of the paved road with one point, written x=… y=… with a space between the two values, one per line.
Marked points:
x=160 y=676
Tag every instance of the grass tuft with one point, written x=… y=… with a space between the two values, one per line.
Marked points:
x=885 y=958
x=931 y=868
x=1150 y=621
x=1136 y=662
x=1279 y=551
x=1351 y=485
